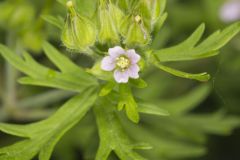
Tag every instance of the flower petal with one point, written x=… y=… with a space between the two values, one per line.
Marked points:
x=121 y=77
x=230 y=11
x=133 y=71
x=107 y=64
x=133 y=56
x=116 y=52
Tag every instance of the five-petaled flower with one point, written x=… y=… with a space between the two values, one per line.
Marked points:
x=230 y=11
x=123 y=63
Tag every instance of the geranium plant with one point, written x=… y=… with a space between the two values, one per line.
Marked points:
x=118 y=36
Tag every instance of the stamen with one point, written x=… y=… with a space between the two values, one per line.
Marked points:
x=123 y=63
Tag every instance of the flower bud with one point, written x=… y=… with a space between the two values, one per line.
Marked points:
x=109 y=24
x=79 y=33
x=141 y=64
x=117 y=15
x=135 y=32
x=125 y=24
x=151 y=11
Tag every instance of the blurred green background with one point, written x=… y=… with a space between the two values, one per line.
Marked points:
x=211 y=109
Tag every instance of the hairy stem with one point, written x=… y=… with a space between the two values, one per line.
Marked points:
x=9 y=96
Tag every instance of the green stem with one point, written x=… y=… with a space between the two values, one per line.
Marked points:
x=10 y=77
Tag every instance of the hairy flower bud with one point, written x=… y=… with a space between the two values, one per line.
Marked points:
x=146 y=17
x=108 y=32
x=110 y=18
x=152 y=12
x=79 y=33
x=134 y=31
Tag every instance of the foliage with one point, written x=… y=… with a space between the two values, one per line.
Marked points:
x=51 y=130
x=92 y=27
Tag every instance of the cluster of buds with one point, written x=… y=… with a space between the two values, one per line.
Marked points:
x=114 y=23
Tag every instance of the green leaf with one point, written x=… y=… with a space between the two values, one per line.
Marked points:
x=164 y=145
x=142 y=146
x=44 y=99
x=217 y=123
x=131 y=110
x=159 y=23
x=187 y=102
x=112 y=136
x=158 y=9
x=186 y=134
x=55 y=82
x=127 y=101
x=28 y=66
x=73 y=78
x=61 y=61
x=57 y=22
x=203 y=77
x=139 y=83
x=188 y=49
x=152 y=109
x=107 y=88
x=158 y=15
x=44 y=135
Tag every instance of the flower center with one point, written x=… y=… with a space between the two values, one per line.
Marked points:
x=123 y=63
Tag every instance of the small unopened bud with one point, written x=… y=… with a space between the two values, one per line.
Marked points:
x=79 y=33
x=109 y=22
x=134 y=31
x=137 y=35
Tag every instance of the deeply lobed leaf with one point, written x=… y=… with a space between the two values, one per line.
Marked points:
x=71 y=78
x=188 y=50
x=44 y=135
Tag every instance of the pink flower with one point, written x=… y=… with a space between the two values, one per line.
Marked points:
x=124 y=64
x=230 y=11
